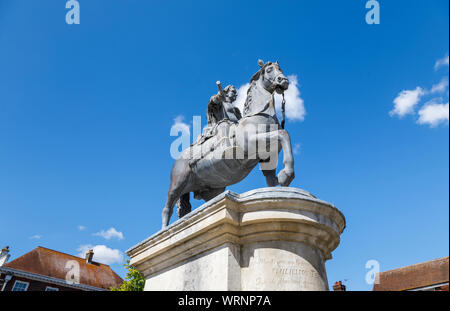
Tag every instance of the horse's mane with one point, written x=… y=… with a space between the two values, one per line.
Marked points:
x=253 y=80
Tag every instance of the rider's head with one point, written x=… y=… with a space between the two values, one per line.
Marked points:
x=230 y=93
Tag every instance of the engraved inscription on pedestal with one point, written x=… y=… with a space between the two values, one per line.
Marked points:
x=283 y=266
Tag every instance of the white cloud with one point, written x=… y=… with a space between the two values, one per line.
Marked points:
x=110 y=233
x=441 y=62
x=440 y=87
x=406 y=101
x=433 y=113
x=241 y=97
x=295 y=109
x=35 y=237
x=102 y=254
x=81 y=228
x=180 y=125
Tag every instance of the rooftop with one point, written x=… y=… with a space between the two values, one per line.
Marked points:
x=416 y=276
x=51 y=263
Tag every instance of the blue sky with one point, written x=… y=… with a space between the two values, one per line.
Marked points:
x=86 y=112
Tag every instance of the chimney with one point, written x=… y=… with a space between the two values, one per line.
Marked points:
x=4 y=255
x=89 y=256
x=339 y=287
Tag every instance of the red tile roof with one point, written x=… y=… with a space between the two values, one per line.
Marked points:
x=415 y=276
x=52 y=263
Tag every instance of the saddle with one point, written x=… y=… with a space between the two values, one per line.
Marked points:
x=214 y=141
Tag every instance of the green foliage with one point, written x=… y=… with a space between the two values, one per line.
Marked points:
x=133 y=280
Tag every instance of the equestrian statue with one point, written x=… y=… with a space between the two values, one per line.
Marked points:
x=232 y=144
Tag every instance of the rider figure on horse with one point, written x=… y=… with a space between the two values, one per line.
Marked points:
x=220 y=115
x=220 y=106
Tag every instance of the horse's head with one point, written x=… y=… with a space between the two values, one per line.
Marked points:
x=272 y=77
x=269 y=77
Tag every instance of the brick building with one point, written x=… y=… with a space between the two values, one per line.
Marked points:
x=427 y=276
x=44 y=269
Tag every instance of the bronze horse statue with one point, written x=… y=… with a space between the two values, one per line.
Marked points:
x=204 y=169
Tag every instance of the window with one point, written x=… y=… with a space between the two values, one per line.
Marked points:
x=51 y=289
x=20 y=286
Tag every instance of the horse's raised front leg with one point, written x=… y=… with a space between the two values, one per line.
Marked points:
x=275 y=138
x=287 y=174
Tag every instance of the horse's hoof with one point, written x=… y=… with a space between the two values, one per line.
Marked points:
x=285 y=177
x=164 y=225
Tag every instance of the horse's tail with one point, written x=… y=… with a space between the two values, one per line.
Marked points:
x=183 y=205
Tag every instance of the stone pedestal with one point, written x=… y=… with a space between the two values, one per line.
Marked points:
x=265 y=239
